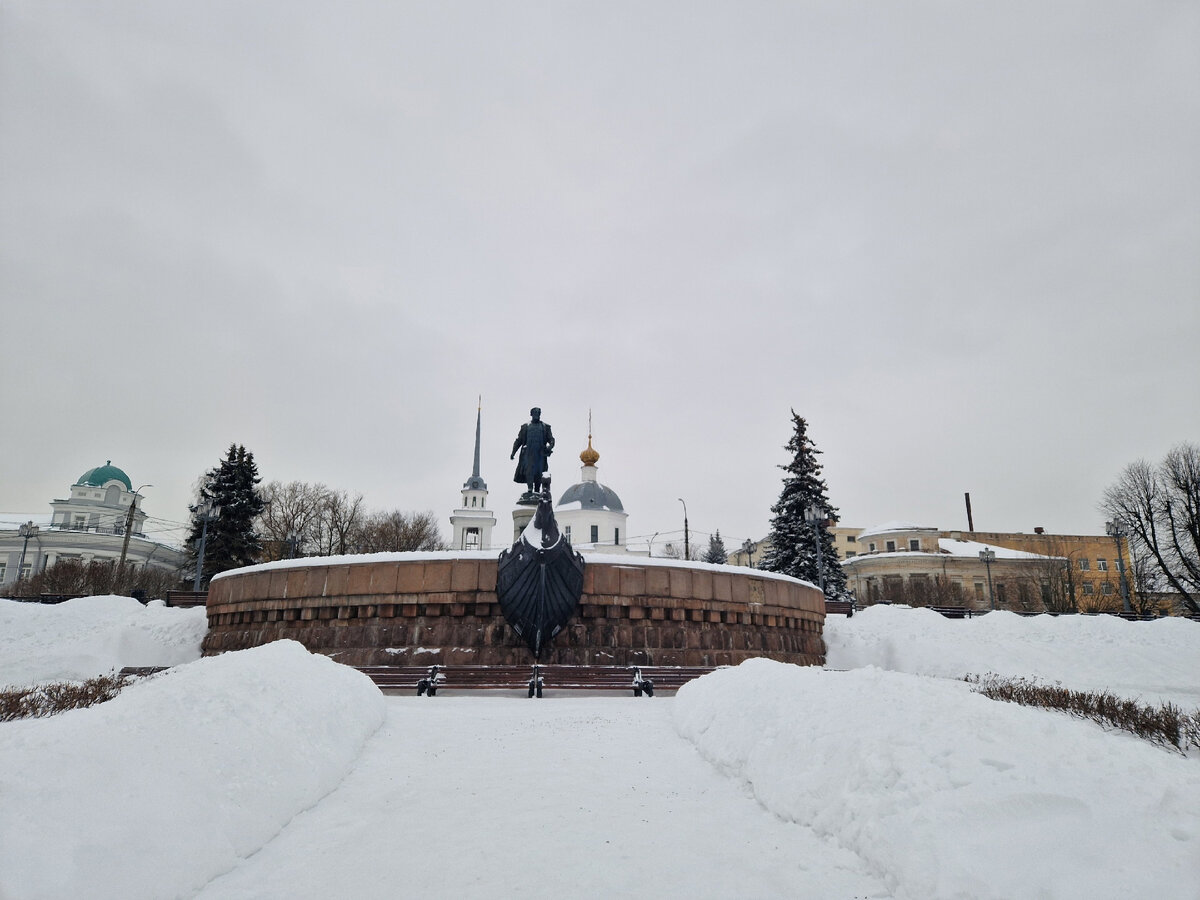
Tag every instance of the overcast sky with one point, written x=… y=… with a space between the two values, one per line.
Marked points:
x=962 y=240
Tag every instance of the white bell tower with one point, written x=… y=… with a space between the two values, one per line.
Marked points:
x=473 y=521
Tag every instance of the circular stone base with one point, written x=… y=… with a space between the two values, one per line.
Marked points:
x=426 y=608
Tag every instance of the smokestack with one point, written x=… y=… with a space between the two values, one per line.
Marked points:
x=970 y=521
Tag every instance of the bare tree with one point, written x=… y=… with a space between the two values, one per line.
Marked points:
x=397 y=531
x=340 y=519
x=291 y=517
x=1160 y=508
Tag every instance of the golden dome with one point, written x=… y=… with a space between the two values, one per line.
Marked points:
x=589 y=456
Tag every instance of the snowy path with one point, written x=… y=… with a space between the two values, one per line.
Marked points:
x=426 y=813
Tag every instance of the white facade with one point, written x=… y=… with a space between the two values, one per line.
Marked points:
x=589 y=514
x=89 y=526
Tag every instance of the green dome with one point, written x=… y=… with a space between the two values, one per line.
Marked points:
x=101 y=475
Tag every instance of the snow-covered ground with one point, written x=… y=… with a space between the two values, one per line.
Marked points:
x=92 y=636
x=268 y=773
x=1154 y=662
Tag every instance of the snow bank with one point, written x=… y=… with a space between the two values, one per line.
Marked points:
x=945 y=793
x=92 y=636
x=155 y=793
x=1151 y=661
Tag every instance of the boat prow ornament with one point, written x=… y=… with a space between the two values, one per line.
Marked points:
x=539 y=580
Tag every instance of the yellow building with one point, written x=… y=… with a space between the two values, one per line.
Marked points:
x=902 y=562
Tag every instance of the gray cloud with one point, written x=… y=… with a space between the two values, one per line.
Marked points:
x=963 y=241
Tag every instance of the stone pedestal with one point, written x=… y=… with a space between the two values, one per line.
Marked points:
x=442 y=608
x=522 y=516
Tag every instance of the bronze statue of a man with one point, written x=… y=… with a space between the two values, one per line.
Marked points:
x=536 y=443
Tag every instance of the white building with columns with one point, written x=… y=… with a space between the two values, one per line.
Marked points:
x=89 y=526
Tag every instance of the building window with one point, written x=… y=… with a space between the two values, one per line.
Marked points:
x=891 y=546
x=3 y=570
x=1087 y=588
x=474 y=501
x=24 y=572
x=616 y=535
x=1084 y=565
x=871 y=547
x=567 y=533
x=1102 y=565
x=1000 y=595
x=850 y=539
x=979 y=590
x=1106 y=588
x=80 y=522
x=850 y=553
x=471 y=539
x=914 y=544
x=595 y=534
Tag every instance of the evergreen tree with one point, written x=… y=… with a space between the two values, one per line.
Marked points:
x=793 y=541
x=716 y=550
x=232 y=540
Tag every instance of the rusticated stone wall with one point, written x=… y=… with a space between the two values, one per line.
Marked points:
x=444 y=610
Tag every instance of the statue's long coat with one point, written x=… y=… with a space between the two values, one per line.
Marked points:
x=538 y=441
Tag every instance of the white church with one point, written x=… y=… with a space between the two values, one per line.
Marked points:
x=590 y=514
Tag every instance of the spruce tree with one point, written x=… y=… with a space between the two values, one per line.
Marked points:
x=716 y=550
x=793 y=547
x=232 y=540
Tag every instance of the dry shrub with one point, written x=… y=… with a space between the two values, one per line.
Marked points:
x=1165 y=724
x=56 y=697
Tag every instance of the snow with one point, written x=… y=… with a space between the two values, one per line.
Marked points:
x=944 y=793
x=620 y=559
x=1156 y=661
x=267 y=772
x=92 y=636
x=157 y=792
x=958 y=547
x=895 y=525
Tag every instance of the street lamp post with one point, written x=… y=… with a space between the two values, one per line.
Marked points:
x=1117 y=531
x=650 y=546
x=814 y=517
x=987 y=555
x=686 y=548
x=748 y=547
x=207 y=512
x=26 y=531
x=128 y=530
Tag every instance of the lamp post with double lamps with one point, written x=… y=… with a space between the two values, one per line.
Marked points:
x=206 y=511
x=815 y=517
x=1117 y=531
x=26 y=531
x=748 y=547
x=987 y=554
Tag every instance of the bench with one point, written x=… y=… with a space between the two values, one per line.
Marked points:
x=142 y=671
x=839 y=608
x=533 y=679
x=186 y=598
x=953 y=612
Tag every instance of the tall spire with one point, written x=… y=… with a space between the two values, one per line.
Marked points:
x=475 y=483
x=478 y=419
